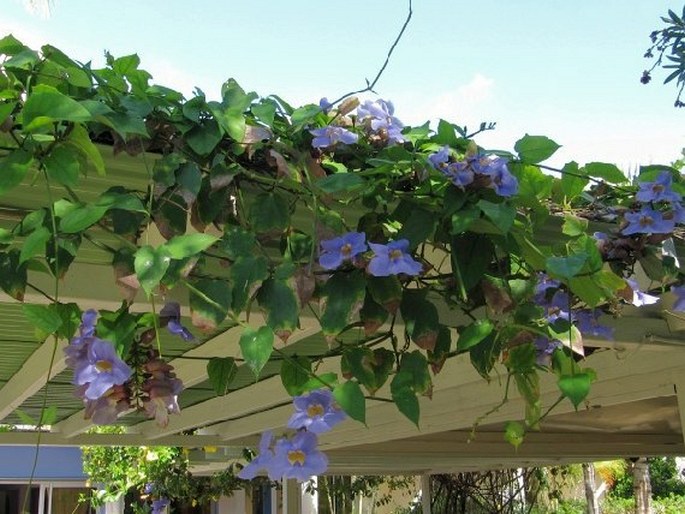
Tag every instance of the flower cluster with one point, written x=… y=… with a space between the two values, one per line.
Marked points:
x=660 y=210
x=379 y=120
x=387 y=259
x=331 y=135
x=109 y=386
x=556 y=303
x=476 y=171
x=298 y=456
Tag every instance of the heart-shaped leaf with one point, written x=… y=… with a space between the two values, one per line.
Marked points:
x=256 y=347
x=575 y=387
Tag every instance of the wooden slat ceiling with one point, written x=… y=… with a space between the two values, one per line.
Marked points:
x=633 y=407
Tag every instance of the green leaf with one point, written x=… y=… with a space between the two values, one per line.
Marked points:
x=404 y=396
x=46 y=104
x=49 y=415
x=535 y=149
x=521 y=358
x=462 y=219
x=150 y=265
x=339 y=182
x=304 y=113
x=269 y=213
x=573 y=180
x=534 y=185
x=34 y=244
x=343 y=295
x=210 y=300
x=351 y=399
x=63 y=165
x=420 y=319
x=446 y=134
x=202 y=139
x=221 y=371
x=188 y=245
x=574 y=226
x=256 y=347
x=514 y=432
x=608 y=172
x=237 y=241
x=485 y=354
x=279 y=300
x=80 y=218
x=387 y=291
x=43 y=317
x=566 y=267
x=6 y=236
x=416 y=364
x=418 y=224
x=575 y=387
x=247 y=273
x=14 y=168
x=474 y=334
x=471 y=254
x=296 y=371
x=70 y=313
x=80 y=140
x=501 y=214
x=12 y=274
x=25 y=418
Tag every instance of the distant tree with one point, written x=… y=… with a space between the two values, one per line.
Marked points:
x=668 y=52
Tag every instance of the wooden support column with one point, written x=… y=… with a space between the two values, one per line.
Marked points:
x=292 y=497
x=680 y=392
x=426 y=493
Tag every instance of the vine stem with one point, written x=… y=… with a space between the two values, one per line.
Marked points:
x=372 y=84
x=53 y=355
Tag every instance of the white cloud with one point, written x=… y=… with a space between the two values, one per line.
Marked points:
x=465 y=104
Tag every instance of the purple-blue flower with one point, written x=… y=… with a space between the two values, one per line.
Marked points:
x=659 y=190
x=340 y=249
x=647 y=221
x=262 y=460
x=332 y=135
x=587 y=321
x=77 y=350
x=298 y=458
x=393 y=259
x=159 y=506
x=678 y=212
x=502 y=181
x=640 y=298
x=679 y=303
x=102 y=369
x=460 y=174
x=316 y=411
x=171 y=315
x=544 y=348
x=325 y=104
x=379 y=115
x=440 y=158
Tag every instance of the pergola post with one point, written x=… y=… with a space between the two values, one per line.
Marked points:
x=426 y=493
x=292 y=497
x=680 y=393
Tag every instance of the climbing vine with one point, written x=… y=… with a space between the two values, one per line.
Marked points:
x=409 y=246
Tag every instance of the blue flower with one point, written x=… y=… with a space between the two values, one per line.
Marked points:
x=544 y=348
x=647 y=221
x=379 y=115
x=587 y=321
x=393 y=259
x=659 y=190
x=262 y=460
x=679 y=303
x=332 y=135
x=298 y=458
x=640 y=298
x=440 y=158
x=502 y=181
x=325 y=104
x=460 y=174
x=159 y=506
x=77 y=350
x=316 y=411
x=171 y=316
x=340 y=249
x=101 y=370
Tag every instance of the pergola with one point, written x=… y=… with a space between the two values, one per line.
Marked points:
x=635 y=408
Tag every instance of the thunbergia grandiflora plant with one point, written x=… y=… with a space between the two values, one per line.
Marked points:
x=408 y=246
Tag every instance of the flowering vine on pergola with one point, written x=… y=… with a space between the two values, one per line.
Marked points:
x=409 y=245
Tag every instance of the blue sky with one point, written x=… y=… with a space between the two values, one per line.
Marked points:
x=566 y=69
